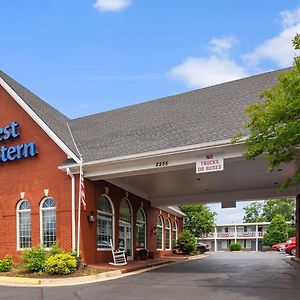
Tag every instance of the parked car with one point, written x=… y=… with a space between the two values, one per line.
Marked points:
x=290 y=246
x=202 y=248
x=278 y=247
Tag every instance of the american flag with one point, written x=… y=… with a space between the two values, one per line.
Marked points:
x=82 y=192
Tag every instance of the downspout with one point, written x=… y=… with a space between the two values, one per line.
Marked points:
x=73 y=209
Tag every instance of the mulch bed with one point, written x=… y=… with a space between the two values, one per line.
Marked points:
x=19 y=271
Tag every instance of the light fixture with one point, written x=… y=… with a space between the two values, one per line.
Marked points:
x=91 y=218
x=154 y=230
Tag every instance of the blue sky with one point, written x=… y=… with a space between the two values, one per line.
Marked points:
x=88 y=56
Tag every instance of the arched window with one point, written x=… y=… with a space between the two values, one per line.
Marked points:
x=168 y=234
x=175 y=234
x=159 y=233
x=23 y=225
x=48 y=222
x=125 y=211
x=140 y=229
x=105 y=222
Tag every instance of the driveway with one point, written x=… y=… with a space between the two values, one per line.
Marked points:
x=219 y=276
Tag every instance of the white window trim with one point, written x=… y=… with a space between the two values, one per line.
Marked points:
x=113 y=221
x=18 y=223
x=41 y=220
x=162 y=234
x=145 y=222
x=169 y=246
x=175 y=229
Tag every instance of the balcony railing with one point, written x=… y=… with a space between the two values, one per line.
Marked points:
x=244 y=234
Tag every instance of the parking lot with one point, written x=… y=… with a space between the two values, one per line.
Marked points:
x=218 y=276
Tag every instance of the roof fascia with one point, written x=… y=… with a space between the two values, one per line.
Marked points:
x=38 y=120
x=152 y=154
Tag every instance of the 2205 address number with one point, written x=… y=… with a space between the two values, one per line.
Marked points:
x=162 y=164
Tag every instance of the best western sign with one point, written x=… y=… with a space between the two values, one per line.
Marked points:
x=210 y=163
x=20 y=151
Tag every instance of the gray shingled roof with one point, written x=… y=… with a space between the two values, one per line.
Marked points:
x=204 y=115
x=52 y=117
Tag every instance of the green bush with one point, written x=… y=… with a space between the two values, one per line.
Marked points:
x=276 y=232
x=61 y=263
x=235 y=247
x=186 y=242
x=291 y=231
x=6 y=263
x=55 y=249
x=34 y=259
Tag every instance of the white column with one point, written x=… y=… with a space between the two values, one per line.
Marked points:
x=235 y=233
x=216 y=248
x=256 y=238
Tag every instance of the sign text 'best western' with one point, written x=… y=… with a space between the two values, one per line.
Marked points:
x=20 y=151
x=210 y=163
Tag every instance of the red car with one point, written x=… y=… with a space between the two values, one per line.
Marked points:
x=290 y=246
x=279 y=246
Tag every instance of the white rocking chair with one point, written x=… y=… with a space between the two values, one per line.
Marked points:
x=119 y=256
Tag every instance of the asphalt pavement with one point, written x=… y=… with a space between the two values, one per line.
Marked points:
x=219 y=276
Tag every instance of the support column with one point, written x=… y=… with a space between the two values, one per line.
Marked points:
x=256 y=238
x=298 y=226
x=216 y=247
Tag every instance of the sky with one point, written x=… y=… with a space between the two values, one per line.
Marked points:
x=89 y=56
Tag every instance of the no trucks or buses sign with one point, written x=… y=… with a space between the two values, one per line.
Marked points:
x=210 y=163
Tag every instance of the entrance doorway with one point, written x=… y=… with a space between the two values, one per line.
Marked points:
x=125 y=238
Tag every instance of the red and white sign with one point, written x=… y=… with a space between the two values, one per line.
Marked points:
x=210 y=163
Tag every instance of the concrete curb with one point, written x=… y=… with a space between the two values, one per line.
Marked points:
x=110 y=275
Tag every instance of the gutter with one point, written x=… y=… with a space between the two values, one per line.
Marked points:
x=73 y=209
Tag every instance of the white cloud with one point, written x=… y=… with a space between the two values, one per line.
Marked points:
x=278 y=49
x=201 y=72
x=112 y=5
x=217 y=68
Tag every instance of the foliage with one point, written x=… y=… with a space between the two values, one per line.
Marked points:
x=34 y=259
x=6 y=263
x=276 y=232
x=274 y=123
x=235 y=247
x=199 y=219
x=61 y=263
x=291 y=231
x=186 y=242
x=253 y=213
x=265 y=212
x=55 y=249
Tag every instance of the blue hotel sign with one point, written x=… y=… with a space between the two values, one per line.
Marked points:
x=20 y=151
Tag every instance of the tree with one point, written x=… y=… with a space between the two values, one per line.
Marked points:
x=253 y=213
x=276 y=232
x=186 y=242
x=265 y=212
x=199 y=219
x=284 y=207
x=274 y=123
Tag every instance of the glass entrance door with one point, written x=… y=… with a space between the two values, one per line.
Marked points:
x=125 y=239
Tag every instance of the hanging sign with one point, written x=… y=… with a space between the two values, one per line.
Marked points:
x=210 y=163
x=20 y=151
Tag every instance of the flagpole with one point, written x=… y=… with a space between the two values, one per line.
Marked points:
x=79 y=198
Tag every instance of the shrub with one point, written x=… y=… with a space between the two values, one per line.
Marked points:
x=276 y=232
x=34 y=259
x=55 y=249
x=235 y=247
x=61 y=263
x=6 y=263
x=186 y=242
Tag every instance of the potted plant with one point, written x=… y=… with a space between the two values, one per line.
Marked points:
x=143 y=254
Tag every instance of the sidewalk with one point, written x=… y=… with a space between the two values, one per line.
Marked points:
x=111 y=272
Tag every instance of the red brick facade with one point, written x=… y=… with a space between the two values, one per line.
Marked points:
x=34 y=175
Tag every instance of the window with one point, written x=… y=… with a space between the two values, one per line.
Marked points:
x=105 y=222
x=125 y=212
x=175 y=234
x=48 y=222
x=140 y=229
x=159 y=233
x=23 y=225
x=168 y=234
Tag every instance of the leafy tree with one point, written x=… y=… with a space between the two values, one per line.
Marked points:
x=253 y=213
x=274 y=123
x=284 y=207
x=199 y=219
x=265 y=212
x=276 y=232
x=186 y=242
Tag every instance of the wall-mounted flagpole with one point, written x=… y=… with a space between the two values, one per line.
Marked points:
x=81 y=197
